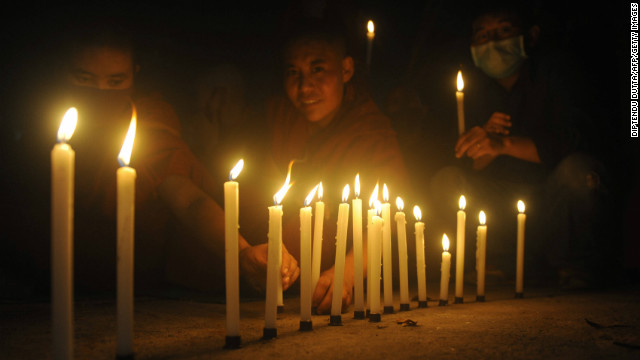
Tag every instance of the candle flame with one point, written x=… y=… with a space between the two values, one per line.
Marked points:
x=236 y=170
x=460 y=81
x=125 y=153
x=385 y=193
x=520 y=206
x=370 y=27
x=374 y=196
x=345 y=193
x=377 y=205
x=320 y=192
x=277 y=198
x=309 y=197
x=445 y=242
x=68 y=125
x=417 y=213
x=462 y=203
x=482 y=217
x=399 y=203
x=357 y=187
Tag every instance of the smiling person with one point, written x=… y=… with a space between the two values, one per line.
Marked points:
x=330 y=125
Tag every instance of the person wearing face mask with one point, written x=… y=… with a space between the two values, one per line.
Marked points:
x=528 y=137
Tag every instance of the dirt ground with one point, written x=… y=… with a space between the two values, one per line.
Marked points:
x=546 y=324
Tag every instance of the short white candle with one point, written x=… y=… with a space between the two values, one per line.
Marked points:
x=445 y=271
x=305 y=258
x=420 y=262
x=370 y=35
x=317 y=239
x=375 y=243
x=481 y=254
x=62 y=198
x=460 y=245
x=460 y=102
x=126 y=179
x=341 y=251
x=401 y=224
x=387 y=256
x=358 y=272
x=231 y=261
x=522 y=217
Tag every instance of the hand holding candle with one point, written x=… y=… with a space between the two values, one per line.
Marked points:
x=460 y=102
x=481 y=255
x=341 y=250
x=370 y=35
x=520 y=251
x=445 y=271
x=232 y=283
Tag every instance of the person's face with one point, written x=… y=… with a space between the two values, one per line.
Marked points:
x=494 y=28
x=315 y=75
x=103 y=68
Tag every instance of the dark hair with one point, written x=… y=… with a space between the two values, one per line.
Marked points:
x=523 y=12
x=101 y=33
x=313 y=29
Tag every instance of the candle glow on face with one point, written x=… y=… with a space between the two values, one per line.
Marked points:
x=374 y=197
x=357 y=187
x=445 y=242
x=236 y=170
x=520 y=206
x=125 y=153
x=370 y=27
x=482 y=217
x=460 y=82
x=345 y=193
x=462 y=203
x=68 y=125
x=417 y=213
x=399 y=203
x=309 y=197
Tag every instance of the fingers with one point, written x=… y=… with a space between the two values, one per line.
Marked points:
x=468 y=140
x=323 y=293
x=499 y=123
x=290 y=269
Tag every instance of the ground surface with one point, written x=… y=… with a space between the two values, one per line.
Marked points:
x=546 y=324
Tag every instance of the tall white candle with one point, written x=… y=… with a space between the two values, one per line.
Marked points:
x=386 y=251
x=375 y=242
x=317 y=239
x=126 y=179
x=231 y=214
x=358 y=272
x=460 y=244
x=420 y=262
x=460 y=102
x=481 y=254
x=522 y=217
x=401 y=224
x=445 y=271
x=62 y=198
x=370 y=35
x=341 y=250
x=273 y=263
x=370 y=214
x=305 y=262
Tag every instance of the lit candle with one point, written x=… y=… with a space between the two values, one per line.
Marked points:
x=420 y=262
x=375 y=242
x=358 y=272
x=370 y=35
x=126 y=179
x=317 y=239
x=445 y=271
x=460 y=251
x=522 y=217
x=305 y=263
x=481 y=255
x=341 y=251
x=460 y=100
x=402 y=255
x=386 y=252
x=370 y=214
x=231 y=226
x=62 y=180
x=274 y=254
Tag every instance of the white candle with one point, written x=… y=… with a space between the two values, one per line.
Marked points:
x=358 y=272
x=481 y=254
x=460 y=251
x=341 y=250
x=231 y=214
x=62 y=198
x=522 y=217
x=445 y=271
x=460 y=101
x=375 y=242
x=402 y=255
x=305 y=262
x=370 y=35
x=273 y=261
x=317 y=239
x=420 y=262
x=126 y=179
x=370 y=214
x=386 y=251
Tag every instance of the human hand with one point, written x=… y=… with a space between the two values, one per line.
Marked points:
x=499 y=123
x=477 y=143
x=253 y=266
x=323 y=294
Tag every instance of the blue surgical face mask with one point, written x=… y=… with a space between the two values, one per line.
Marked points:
x=500 y=59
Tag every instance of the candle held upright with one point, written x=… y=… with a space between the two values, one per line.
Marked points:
x=305 y=263
x=445 y=272
x=370 y=35
x=522 y=217
x=231 y=254
x=420 y=262
x=460 y=246
x=481 y=255
x=358 y=261
x=387 y=256
x=460 y=103
x=375 y=242
x=341 y=249
x=401 y=225
x=62 y=199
